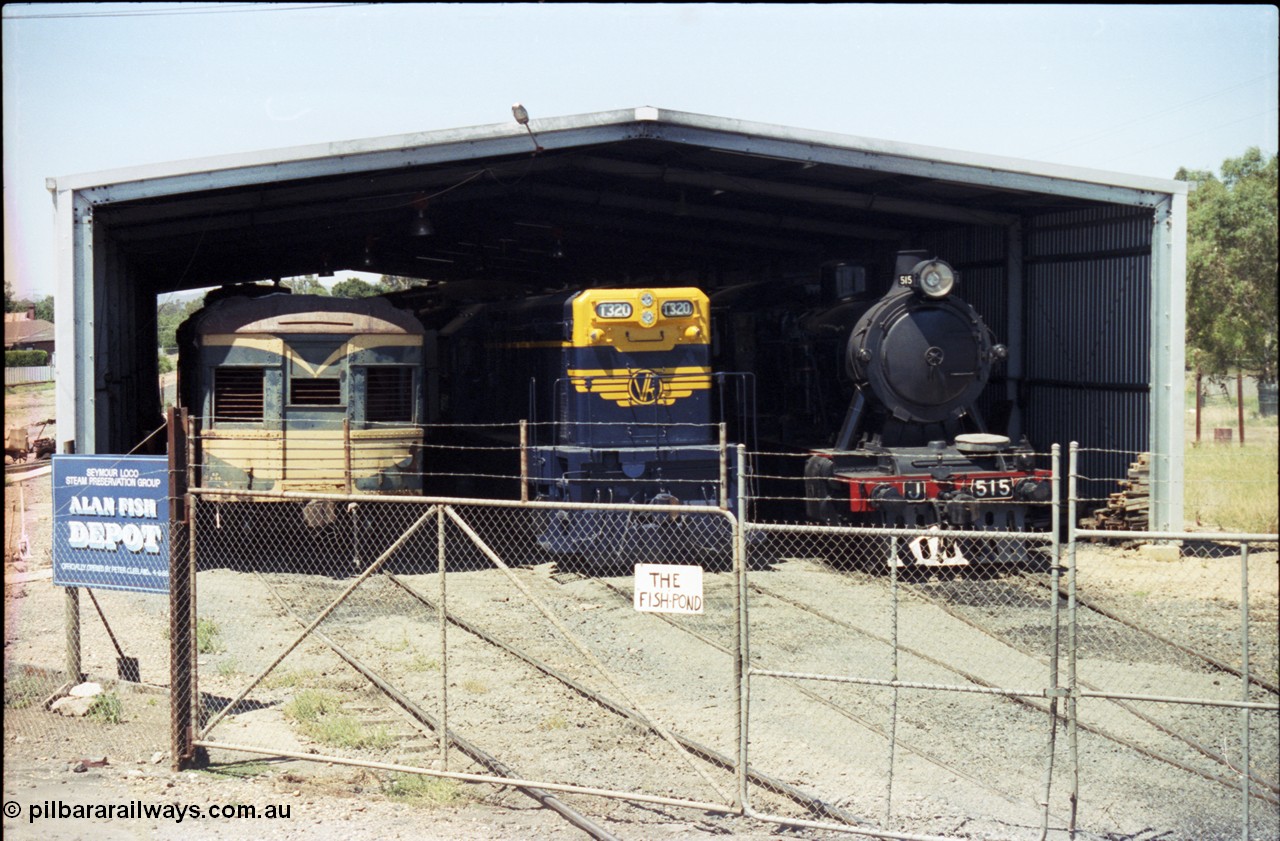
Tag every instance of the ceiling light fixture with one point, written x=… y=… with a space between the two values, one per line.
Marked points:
x=522 y=117
x=422 y=226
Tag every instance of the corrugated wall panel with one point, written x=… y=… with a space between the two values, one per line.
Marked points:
x=1087 y=307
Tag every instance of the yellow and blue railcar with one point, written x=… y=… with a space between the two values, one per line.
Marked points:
x=622 y=401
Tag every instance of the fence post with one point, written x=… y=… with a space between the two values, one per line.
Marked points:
x=740 y=661
x=1240 y=403
x=443 y=612
x=71 y=615
x=1055 y=581
x=524 y=461
x=346 y=451
x=1244 y=684
x=72 y=625
x=181 y=716
x=724 y=469
x=1072 y=641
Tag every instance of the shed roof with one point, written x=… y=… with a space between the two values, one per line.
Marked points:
x=568 y=200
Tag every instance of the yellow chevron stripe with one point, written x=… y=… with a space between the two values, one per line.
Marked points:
x=641 y=386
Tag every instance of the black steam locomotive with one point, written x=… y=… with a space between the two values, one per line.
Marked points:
x=897 y=377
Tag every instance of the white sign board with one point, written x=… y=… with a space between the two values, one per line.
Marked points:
x=668 y=588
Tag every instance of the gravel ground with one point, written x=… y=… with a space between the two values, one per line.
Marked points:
x=964 y=765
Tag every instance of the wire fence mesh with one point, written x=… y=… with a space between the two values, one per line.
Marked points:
x=448 y=616
x=1123 y=680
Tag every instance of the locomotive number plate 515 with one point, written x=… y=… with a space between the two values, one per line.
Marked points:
x=1001 y=488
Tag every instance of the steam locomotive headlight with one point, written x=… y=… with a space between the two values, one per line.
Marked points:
x=937 y=279
x=613 y=309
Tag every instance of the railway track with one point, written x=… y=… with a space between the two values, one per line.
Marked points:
x=1261 y=788
x=813 y=806
x=19 y=470
x=842 y=711
x=1030 y=593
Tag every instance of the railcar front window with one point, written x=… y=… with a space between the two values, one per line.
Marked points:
x=238 y=395
x=388 y=394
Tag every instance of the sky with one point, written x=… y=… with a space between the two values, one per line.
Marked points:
x=1142 y=90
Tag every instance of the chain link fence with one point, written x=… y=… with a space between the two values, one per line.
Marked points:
x=439 y=636
x=1172 y=650
x=1119 y=683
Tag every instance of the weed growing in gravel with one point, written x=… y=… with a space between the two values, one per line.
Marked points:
x=24 y=689
x=239 y=770
x=553 y=722
x=107 y=709
x=227 y=667
x=422 y=790
x=320 y=716
x=287 y=678
x=423 y=663
x=477 y=686
x=208 y=637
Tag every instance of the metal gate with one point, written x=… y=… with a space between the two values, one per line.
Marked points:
x=389 y=633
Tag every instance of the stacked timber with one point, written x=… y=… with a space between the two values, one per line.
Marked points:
x=1127 y=509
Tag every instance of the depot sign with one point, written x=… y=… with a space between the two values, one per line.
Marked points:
x=111 y=522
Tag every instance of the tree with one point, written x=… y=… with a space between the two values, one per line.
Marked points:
x=169 y=315
x=306 y=285
x=354 y=287
x=395 y=283
x=44 y=309
x=1232 y=265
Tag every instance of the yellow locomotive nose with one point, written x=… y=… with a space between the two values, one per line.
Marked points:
x=640 y=319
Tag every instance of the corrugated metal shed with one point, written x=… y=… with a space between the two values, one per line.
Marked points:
x=1082 y=272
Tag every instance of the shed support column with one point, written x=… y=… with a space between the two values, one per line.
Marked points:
x=1168 y=361
x=74 y=326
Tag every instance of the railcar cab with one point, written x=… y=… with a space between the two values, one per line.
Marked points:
x=636 y=368
x=303 y=393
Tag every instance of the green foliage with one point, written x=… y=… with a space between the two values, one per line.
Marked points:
x=169 y=315
x=107 y=709
x=395 y=283
x=208 y=636
x=25 y=358
x=310 y=705
x=1232 y=266
x=44 y=306
x=164 y=364
x=320 y=716
x=24 y=689
x=44 y=309
x=244 y=770
x=422 y=790
x=306 y=285
x=354 y=287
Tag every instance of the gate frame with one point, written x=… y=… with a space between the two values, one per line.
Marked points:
x=190 y=742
